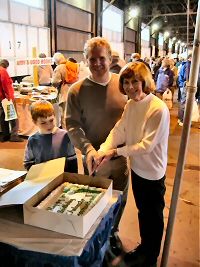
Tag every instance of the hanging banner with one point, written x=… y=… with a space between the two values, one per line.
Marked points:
x=35 y=61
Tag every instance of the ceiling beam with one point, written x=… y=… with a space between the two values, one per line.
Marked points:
x=169 y=14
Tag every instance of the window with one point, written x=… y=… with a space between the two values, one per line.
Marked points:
x=145 y=32
x=160 y=39
x=33 y=3
x=112 y=18
x=170 y=43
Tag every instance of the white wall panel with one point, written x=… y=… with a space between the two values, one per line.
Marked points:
x=44 y=41
x=4 y=10
x=160 y=47
x=20 y=41
x=7 y=49
x=118 y=47
x=32 y=39
x=37 y=17
x=12 y=68
x=21 y=70
x=19 y=13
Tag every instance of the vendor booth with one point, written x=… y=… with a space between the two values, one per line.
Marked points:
x=27 y=95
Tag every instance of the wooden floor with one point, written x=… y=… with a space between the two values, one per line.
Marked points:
x=184 y=249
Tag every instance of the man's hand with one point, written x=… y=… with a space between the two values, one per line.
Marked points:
x=91 y=158
x=104 y=157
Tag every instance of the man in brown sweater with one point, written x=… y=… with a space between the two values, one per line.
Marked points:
x=94 y=105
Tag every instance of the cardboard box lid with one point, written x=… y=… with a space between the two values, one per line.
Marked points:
x=38 y=176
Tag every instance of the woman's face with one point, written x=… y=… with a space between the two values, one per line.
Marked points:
x=133 y=88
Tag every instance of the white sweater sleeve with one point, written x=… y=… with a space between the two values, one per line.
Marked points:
x=156 y=128
x=116 y=136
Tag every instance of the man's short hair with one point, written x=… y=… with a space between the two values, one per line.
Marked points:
x=140 y=71
x=96 y=42
x=4 y=63
x=189 y=56
x=42 y=55
x=135 y=55
x=57 y=57
x=41 y=108
x=71 y=59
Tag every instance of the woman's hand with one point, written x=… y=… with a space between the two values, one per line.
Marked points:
x=103 y=157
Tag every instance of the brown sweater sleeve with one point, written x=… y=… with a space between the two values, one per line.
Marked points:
x=73 y=121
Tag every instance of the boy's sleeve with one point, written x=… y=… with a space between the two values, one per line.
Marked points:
x=29 y=159
x=71 y=164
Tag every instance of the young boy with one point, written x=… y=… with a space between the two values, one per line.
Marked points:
x=49 y=142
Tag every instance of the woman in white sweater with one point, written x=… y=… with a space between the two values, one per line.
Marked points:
x=144 y=130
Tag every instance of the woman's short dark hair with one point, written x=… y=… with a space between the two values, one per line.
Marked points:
x=141 y=72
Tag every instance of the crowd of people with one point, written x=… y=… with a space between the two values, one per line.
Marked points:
x=112 y=113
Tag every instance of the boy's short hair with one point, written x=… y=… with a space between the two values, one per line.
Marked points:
x=140 y=71
x=41 y=108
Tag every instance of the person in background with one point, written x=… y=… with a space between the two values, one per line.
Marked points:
x=148 y=61
x=114 y=67
x=58 y=81
x=157 y=65
x=164 y=78
x=184 y=71
x=144 y=131
x=136 y=57
x=175 y=71
x=49 y=142
x=45 y=73
x=176 y=62
x=183 y=76
x=94 y=105
x=7 y=91
x=72 y=59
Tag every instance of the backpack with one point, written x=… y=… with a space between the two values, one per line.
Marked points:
x=72 y=71
x=162 y=82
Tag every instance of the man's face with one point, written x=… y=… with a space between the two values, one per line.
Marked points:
x=99 y=61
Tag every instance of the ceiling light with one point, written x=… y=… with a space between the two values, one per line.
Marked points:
x=166 y=34
x=155 y=26
x=134 y=12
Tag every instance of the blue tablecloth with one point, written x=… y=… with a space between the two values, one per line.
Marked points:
x=92 y=254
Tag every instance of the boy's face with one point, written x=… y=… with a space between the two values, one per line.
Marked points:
x=46 y=125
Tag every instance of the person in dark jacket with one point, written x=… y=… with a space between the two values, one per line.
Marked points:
x=114 y=67
x=168 y=74
x=184 y=71
x=183 y=76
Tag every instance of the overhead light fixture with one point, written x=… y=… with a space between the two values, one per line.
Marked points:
x=179 y=41
x=174 y=38
x=155 y=26
x=134 y=12
x=166 y=34
x=165 y=19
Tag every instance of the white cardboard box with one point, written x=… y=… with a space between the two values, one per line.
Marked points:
x=40 y=181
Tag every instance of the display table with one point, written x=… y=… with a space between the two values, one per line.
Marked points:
x=27 y=246
x=23 y=102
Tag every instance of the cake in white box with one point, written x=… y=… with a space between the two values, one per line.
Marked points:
x=72 y=199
